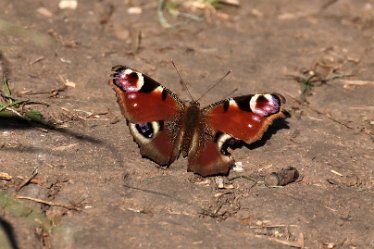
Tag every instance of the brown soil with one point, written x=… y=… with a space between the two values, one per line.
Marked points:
x=89 y=161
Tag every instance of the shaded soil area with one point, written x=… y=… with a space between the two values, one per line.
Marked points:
x=93 y=189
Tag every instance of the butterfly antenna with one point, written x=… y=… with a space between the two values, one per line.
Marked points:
x=231 y=93
x=214 y=85
x=182 y=81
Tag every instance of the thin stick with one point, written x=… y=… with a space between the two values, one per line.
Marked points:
x=371 y=107
x=15 y=112
x=17 y=102
x=138 y=42
x=28 y=180
x=276 y=226
x=283 y=242
x=201 y=209
x=164 y=23
x=49 y=203
x=5 y=97
x=327 y=4
x=231 y=93
x=357 y=82
x=182 y=81
x=320 y=113
x=214 y=85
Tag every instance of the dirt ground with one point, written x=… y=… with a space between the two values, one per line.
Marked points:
x=102 y=194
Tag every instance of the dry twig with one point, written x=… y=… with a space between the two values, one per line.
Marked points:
x=28 y=180
x=320 y=113
x=5 y=176
x=49 y=203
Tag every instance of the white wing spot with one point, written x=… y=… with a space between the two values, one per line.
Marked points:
x=232 y=103
x=252 y=102
x=159 y=89
x=128 y=71
x=269 y=97
x=256 y=118
x=140 y=82
x=222 y=139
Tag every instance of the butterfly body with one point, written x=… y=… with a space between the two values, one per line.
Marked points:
x=164 y=127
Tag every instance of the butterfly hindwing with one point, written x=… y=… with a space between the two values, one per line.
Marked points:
x=152 y=113
x=208 y=154
x=157 y=141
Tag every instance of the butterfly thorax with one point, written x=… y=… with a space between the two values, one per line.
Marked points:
x=191 y=121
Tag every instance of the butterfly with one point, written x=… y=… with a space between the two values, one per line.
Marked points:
x=164 y=126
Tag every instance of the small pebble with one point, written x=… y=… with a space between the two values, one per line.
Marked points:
x=68 y=4
x=282 y=177
x=238 y=167
x=134 y=10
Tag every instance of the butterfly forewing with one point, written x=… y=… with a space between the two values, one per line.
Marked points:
x=153 y=114
x=246 y=117
x=141 y=98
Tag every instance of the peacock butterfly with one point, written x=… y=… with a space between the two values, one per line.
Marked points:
x=164 y=126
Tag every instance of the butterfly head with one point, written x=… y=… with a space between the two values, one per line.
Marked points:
x=194 y=104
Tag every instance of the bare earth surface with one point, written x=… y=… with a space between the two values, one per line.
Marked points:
x=90 y=163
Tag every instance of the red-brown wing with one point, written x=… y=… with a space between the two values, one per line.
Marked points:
x=208 y=156
x=152 y=113
x=142 y=99
x=157 y=141
x=227 y=122
x=246 y=117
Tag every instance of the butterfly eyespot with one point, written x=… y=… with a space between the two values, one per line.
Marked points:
x=145 y=132
x=146 y=129
x=129 y=80
x=264 y=104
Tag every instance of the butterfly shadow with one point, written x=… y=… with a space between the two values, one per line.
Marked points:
x=9 y=233
x=277 y=125
x=16 y=123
